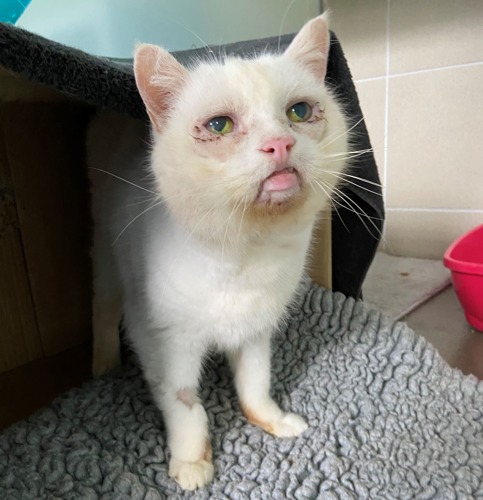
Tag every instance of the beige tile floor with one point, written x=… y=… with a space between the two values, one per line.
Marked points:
x=442 y=322
x=419 y=292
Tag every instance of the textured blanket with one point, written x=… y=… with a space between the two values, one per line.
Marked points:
x=388 y=418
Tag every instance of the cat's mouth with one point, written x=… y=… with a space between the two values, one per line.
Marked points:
x=279 y=186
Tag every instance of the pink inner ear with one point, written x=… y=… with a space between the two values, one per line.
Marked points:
x=159 y=78
x=311 y=45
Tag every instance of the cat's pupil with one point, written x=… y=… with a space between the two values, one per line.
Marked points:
x=300 y=109
x=220 y=125
x=299 y=112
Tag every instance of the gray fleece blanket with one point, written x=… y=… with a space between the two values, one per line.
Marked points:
x=388 y=418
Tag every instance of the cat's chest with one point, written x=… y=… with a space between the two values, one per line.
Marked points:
x=227 y=299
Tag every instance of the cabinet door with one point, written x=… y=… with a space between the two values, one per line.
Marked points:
x=44 y=147
x=19 y=335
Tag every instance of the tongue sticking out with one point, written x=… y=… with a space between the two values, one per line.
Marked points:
x=281 y=180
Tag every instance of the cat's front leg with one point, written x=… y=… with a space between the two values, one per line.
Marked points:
x=173 y=375
x=251 y=367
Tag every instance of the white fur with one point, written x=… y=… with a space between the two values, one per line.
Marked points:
x=196 y=272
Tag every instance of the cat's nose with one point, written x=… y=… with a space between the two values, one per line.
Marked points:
x=279 y=148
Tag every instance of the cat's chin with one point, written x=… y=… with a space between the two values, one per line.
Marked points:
x=279 y=187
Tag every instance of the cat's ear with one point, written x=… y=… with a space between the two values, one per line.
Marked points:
x=311 y=45
x=159 y=78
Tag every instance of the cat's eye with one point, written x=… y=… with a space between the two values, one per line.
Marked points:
x=299 y=112
x=220 y=125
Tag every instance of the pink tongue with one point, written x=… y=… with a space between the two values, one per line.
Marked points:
x=280 y=181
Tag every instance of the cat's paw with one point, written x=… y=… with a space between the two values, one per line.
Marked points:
x=191 y=475
x=274 y=421
x=289 y=425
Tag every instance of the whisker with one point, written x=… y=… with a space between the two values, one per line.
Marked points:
x=345 y=132
x=349 y=205
x=135 y=219
x=147 y=142
x=360 y=214
x=332 y=202
x=351 y=154
x=342 y=179
x=196 y=190
x=148 y=199
x=209 y=52
x=122 y=179
x=350 y=200
x=344 y=174
x=191 y=192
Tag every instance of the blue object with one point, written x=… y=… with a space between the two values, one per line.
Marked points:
x=11 y=10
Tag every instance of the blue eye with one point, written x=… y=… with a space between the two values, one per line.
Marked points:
x=220 y=125
x=299 y=112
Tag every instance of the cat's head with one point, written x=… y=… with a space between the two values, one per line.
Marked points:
x=244 y=142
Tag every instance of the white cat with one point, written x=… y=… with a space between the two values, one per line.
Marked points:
x=244 y=156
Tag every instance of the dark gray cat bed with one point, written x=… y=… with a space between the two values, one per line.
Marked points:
x=107 y=83
x=388 y=419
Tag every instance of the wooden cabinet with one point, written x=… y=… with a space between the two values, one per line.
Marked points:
x=44 y=224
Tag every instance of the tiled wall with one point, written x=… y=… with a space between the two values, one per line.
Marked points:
x=418 y=67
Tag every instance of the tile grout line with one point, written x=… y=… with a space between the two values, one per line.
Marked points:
x=370 y=79
x=386 y=110
x=419 y=71
x=436 y=210
x=439 y=68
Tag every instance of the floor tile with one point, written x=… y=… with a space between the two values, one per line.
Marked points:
x=441 y=321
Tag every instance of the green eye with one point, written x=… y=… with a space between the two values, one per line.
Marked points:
x=299 y=112
x=220 y=125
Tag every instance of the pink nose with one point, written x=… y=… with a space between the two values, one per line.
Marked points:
x=279 y=148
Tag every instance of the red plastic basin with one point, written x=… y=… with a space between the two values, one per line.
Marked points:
x=465 y=260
